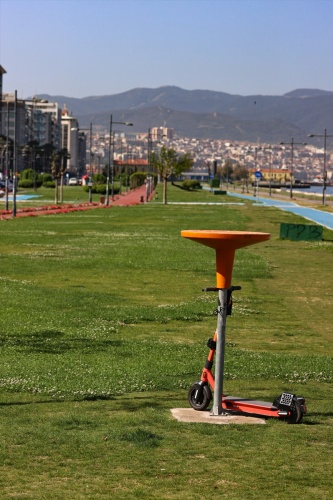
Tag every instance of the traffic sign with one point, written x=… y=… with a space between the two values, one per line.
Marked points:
x=258 y=174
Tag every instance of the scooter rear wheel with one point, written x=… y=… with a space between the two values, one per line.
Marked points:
x=199 y=397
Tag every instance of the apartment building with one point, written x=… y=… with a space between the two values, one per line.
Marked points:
x=70 y=138
x=2 y=72
x=43 y=122
x=161 y=133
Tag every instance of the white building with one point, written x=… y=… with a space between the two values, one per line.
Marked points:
x=70 y=138
x=43 y=122
x=160 y=133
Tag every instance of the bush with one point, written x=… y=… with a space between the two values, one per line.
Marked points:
x=29 y=179
x=49 y=184
x=214 y=183
x=101 y=189
x=27 y=174
x=26 y=183
x=137 y=179
x=99 y=179
x=191 y=184
x=46 y=178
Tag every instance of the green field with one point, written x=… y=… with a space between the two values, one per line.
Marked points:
x=104 y=327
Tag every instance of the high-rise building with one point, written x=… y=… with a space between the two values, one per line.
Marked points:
x=70 y=138
x=161 y=133
x=33 y=121
x=43 y=122
x=2 y=72
x=13 y=114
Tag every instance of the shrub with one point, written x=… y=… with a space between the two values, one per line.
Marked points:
x=191 y=184
x=27 y=174
x=101 y=189
x=26 y=183
x=99 y=179
x=45 y=178
x=214 y=183
x=137 y=179
x=29 y=179
x=49 y=184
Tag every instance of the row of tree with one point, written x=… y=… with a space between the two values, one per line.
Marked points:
x=166 y=162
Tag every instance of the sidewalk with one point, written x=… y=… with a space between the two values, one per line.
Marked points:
x=133 y=197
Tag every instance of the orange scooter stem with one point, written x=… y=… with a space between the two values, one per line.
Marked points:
x=225 y=244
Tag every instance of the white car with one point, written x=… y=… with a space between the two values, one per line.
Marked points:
x=73 y=181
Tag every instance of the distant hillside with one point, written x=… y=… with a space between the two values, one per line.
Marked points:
x=209 y=114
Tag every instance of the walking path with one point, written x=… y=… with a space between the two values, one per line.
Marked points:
x=318 y=216
x=132 y=197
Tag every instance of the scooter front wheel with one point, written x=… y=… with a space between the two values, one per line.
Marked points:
x=199 y=396
x=295 y=411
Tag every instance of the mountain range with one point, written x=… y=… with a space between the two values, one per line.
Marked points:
x=209 y=114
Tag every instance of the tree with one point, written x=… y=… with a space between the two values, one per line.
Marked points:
x=228 y=171
x=241 y=173
x=6 y=154
x=58 y=168
x=169 y=163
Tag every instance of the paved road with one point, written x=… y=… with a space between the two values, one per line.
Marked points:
x=318 y=216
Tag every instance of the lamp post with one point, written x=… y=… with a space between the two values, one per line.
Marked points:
x=107 y=199
x=14 y=209
x=90 y=164
x=325 y=135
x=292 y=144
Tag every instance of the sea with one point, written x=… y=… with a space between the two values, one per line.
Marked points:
x=316 y=190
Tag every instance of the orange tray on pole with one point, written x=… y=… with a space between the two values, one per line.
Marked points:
x=225 y=244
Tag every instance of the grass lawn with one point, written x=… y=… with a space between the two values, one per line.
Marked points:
x=104 y=327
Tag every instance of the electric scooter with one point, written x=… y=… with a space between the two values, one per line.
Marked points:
x=287 y=406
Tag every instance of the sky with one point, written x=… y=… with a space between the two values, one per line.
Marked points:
x=81 y=48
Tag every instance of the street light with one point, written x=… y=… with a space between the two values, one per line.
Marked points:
x=292 y=144
x=325 y=135
x=111 y=158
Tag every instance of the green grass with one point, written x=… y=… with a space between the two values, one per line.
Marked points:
x=104 y=327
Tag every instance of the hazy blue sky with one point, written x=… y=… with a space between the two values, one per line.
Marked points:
x=80 y=48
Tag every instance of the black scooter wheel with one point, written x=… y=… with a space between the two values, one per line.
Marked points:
x=296 y=413
x=199 y=397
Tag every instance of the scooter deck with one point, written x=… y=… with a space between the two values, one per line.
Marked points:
x=249 y=406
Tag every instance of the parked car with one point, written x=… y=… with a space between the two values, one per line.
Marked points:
x=3 y=185
x=73 y=181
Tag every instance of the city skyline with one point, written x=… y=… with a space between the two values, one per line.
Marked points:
x=81 y=48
